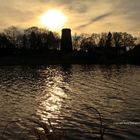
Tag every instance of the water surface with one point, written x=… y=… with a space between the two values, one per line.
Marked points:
x=62 y=94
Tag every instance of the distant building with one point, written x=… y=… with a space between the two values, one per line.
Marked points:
x=66 y=40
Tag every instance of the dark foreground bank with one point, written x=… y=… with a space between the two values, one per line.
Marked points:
x=100 y=57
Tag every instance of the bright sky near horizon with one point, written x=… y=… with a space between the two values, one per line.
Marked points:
x=83 y=16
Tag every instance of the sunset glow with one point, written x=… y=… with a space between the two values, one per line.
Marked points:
x=53 y=19
x=82 y=16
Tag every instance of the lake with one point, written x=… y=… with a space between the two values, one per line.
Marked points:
x=67 y=96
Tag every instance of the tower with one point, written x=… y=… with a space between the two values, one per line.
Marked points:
x=66 y=41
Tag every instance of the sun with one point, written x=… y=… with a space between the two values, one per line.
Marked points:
x=53 y=19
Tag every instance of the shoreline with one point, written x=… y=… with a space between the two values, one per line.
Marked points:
x=42 y=60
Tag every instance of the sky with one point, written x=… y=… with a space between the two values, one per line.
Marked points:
x=83 y=16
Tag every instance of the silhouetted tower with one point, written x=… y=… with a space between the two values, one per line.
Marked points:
x=66 y=41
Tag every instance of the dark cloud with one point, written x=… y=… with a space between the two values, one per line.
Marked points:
x=93 y=20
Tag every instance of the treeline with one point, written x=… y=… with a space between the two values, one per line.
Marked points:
x=37 y=40
x=116 y=39
x=33 y=39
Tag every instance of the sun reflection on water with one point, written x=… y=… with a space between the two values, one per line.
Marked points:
x=50 y=101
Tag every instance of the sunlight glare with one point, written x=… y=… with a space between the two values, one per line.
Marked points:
x=53 y=19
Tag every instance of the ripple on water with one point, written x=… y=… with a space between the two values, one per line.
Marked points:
x=62 y=93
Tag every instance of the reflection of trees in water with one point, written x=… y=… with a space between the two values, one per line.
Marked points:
x=15 y=75
x=87 y=68
x=112 y=71
x=107 y=72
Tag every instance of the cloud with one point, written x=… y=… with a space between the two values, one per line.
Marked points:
x=93 y=20
x=21 y=13
x=83 y=15
x=79 y=6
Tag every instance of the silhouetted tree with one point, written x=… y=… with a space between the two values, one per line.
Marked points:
x=34 y=29
x=24 y=42
x=44 y=41
x=123 y=40
x=87 y=44
x=109 y=40
x=12 y=34
x=102 y=42
x=117 y=39
x=77 y=41
x=127 y=40
x=52 y=41
x=6 y=48
x=33 y=41
x=95 y=39
x=137 y=40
